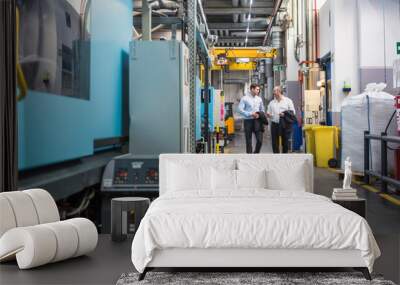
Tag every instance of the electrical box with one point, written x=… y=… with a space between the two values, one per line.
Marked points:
x=312 y=106
x=127 y=176
x=219 y=109
x=159 y=103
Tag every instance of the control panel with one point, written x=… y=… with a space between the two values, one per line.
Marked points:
x=131 y=173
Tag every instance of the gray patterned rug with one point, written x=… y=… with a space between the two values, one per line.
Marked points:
x=243 y=278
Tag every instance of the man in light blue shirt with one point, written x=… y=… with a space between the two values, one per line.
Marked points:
x=249 y=107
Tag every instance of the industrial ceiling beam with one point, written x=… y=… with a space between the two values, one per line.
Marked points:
x=243 y=52
x=237 y=26
x=159 y=21
x=230 y=40
x=227 y=4
x=234 y=66
x=238 y=10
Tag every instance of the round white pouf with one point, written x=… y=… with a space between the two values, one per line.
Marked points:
x=46 y=208
x=33 y=246
x=87 y=235
x=67 y=240
x=23 y=208
x=7 y=218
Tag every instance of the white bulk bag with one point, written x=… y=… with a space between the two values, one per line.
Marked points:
x=371 y=111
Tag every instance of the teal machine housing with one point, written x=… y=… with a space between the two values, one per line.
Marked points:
x=198 y=109
x=159 y=97
x=211 y=97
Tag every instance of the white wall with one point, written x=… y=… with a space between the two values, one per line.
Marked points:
x=344 y=49
x=362 y=36
x=325 y=31
x=321 y=3
x=379 y=31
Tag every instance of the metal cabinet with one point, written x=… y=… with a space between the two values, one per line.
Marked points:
x=159 y=102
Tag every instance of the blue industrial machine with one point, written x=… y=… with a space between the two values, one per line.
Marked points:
x=159 y=97
x=211 y=99
x=198 y=109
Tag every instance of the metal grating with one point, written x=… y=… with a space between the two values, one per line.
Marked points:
x=191 y=24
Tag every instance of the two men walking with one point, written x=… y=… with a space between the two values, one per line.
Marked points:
x=281 y=112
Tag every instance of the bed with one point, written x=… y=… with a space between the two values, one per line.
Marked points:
x=246 y=211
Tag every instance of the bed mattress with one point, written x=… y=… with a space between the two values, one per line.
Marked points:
x=250 y=219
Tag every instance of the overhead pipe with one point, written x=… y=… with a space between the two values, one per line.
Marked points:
x=249 y=34
x=316 y=30
x=203 y=17
x=269 y=74
x=244 y=3
x=147 y=8
x=160 y=4
x=156 y=28
x=146 y=19
x=277 y=6
x=308 y=33
x=258 y=19
x=235 y=3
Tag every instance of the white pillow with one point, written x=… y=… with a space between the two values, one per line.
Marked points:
x=251 y=178
x=191 y=174
x=292 y=178
x=284 y=172
x=223 y=179
x=182 y=177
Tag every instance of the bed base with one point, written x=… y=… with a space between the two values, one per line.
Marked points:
x=363 y=270
x=242 y=259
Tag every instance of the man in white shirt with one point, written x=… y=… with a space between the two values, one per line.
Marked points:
x=249 y=107
x=275 y=112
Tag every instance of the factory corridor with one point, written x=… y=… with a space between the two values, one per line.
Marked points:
x=238 y=143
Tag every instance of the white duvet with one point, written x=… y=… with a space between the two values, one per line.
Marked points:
x=250 y=219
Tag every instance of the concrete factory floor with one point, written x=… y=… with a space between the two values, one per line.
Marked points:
x=110 y=259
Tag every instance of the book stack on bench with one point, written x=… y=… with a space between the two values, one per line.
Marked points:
x=344 y=194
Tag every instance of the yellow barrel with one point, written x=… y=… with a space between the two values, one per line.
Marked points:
x=309 y=139
x=326 y=141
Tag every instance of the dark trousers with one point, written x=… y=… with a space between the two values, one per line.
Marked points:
x=276 y=132
x=248 y=132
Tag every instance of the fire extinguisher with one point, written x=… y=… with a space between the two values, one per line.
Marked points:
x=397 y=152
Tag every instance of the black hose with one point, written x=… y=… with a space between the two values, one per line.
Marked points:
x=391 y=118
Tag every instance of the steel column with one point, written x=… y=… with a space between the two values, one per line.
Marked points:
x=191 y=24
x=366 y=157
x=383 y=163
x=146 y=21
x=206 y=105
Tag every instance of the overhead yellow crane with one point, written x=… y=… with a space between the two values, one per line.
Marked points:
x=233 y=54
